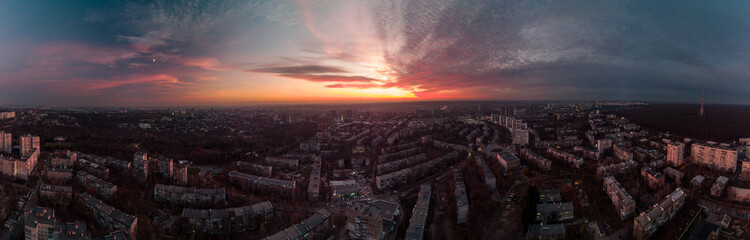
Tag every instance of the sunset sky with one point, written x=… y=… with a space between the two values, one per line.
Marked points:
x=163 y=53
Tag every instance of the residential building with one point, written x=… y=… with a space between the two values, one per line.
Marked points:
x=509 y=161
x=343 y=189
x=229 y=220
x=140 y=166
x=189 y=195
x=546 y=231
x=62 y=195
x=674 y=174
x=572 y=159
x=418 y=220
x=646 y=223
x=263 y=184
x=716 y=157
x=675 y=153
x=313 y=186
x=39 y=223
x=165 y=166
x=653 y=178
x=537 y=160
x=372 y=220
x=745 y=171
x=603 y=145
x=317 y=226
x=487 y=175
x=6 y=142
x=64 y=175
x=623 y=202
x=718 y=188
x=71 y=231
x=19 y=168
x=63 y=159
x=93 y=168
x=257 y=169
x=462 y=200
x=96 y=185
x=109 y=217
x=622 y=153
x=283 y=162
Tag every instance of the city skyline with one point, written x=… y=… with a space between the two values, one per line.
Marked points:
x=162 y=53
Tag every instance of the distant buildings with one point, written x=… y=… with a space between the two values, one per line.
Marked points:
x=390 y=180
x=189 y=195
x=7 y=115
x=623 y=202
x=108 y=216
x=373 y=220
x=462 y=200
x=645 y=224
x=257 y=169
x=675 y=153
x=716 y=157
x=317 y=226
x=417 y=224
x=229 y=220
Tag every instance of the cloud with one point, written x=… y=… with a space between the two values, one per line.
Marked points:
x=76 y=52
x=330 y=78
x=304 y=69
x=355 y=85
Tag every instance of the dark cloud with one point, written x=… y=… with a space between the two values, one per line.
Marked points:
x=305 y=69
x=620 y=47
x=330 y=78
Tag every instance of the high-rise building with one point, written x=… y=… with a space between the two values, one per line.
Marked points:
x=675 y=153
x=25 y=143
x=6 y=145
x=716 y=157
x=140 y=166
x=419 y=214
x=745 y=174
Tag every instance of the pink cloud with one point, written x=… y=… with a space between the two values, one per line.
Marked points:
x=76 y=52
x=159 y=79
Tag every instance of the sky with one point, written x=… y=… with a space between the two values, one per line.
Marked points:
x=179 y=53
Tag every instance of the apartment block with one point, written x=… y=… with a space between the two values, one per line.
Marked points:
x=537 y=160
x=373 y=220
x=462 y=200
x=653 y=178
x=313 y=186
x=675 y=153
x=63 y=159
x=572 y=159
x=623 y=202
x=39 y=223
x=487 y=175
x=189 y=195
x=56 y=194
x=286 y=163
x=257 y=169
x=416 y=228
x=263 y=184
x=228 y=220
x=646 y=223
x=96 y=185
x=109 y=217
x=508 y=161
x=317 y=226
x=718 y=188
x=715 y=157
x=140 y=166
